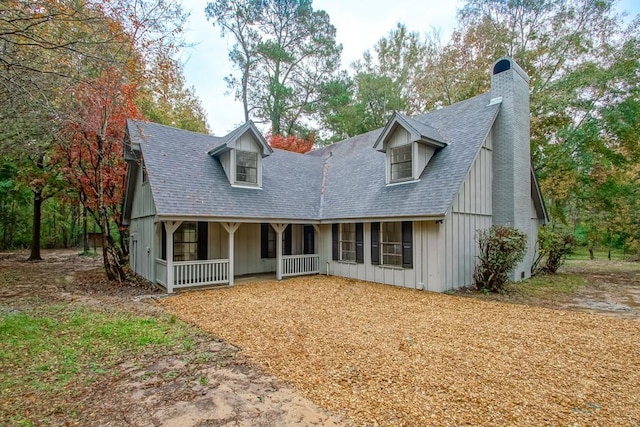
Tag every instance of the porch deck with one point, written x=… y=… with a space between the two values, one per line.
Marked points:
x=215 y=272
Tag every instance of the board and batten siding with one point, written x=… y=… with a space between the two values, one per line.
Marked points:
x=246 y=248
x=142 y=242
x=142 y=246
x=426 y=271
x=471 y=211
x=142 y=205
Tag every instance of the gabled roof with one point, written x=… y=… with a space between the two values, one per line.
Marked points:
x=186 y=181
x=419 y=131
x=229 y=141
x=343 y=181
x=355 y=179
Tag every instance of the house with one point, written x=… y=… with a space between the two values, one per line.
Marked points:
x=399 y=205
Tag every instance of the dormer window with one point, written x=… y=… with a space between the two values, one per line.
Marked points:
x=409 y=145
x=401 y=166
x=241 y=155
x=246 y=167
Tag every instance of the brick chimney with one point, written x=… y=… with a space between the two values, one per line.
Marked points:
x=511 y=153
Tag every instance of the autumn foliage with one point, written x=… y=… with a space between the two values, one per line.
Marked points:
x=291 y=143
x=91 y=150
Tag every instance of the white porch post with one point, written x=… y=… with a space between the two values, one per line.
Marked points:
x=170 y=228
x=279 y=228
x=231 y=228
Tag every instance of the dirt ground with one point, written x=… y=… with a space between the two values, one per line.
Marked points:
x=213 y=385
x=584 y=378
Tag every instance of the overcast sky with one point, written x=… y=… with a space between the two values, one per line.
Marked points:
x=359 y=25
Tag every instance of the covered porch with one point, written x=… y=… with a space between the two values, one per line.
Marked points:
x=205 y=253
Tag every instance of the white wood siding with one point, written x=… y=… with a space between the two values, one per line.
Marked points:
x=142 y=198
x=425 y=274
x=142 y=246
x=471 y=211
x=225 y=161
x=422 y=154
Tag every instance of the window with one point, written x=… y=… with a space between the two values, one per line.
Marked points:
x=401 y=162
x=391 y=243
x=185 y=242
x=348 y=242
x=268 y=238
x=246 y=167
x=145 y=177
x=268 y=241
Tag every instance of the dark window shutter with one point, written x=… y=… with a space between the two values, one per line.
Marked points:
x=359 y=242
x=264 y=240
x=407 y=244
x=335 y=250
x=309 y=239
x=287 y=240
x=203 y=238
x=375 y=243
x=163 y=242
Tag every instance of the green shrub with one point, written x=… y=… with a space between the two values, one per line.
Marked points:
x=553 y=249
x=501 y=248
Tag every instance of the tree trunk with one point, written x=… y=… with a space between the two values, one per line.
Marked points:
x=37 y=221
x=591 y=256
x=110 y=253
x=85 y=233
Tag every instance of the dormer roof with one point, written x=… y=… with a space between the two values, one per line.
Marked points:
x=229 y=141
x=419 y=132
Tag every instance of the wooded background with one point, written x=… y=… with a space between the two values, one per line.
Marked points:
x=72 y=71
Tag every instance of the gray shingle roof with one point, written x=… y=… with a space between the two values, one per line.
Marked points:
x=342 y=181
x=186 y=181
x=355 y=182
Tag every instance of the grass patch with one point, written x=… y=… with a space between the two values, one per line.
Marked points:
x=546 y=285
x=45 y=352
x=582 y=253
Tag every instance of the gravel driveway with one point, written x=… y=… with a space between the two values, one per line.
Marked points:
x=391 y=356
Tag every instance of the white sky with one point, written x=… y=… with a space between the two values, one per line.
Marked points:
x=359 y=25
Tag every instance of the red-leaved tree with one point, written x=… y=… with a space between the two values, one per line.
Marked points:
x=291 y=143
x=91 y=149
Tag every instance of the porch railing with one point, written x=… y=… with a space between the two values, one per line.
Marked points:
x=161 y=272
x=298 y=265
x=197 y=273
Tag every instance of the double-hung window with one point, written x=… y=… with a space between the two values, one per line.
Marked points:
x=401 y=167
x=391 y=243
x=246 y=167
x=185 y=242
x=348 y=242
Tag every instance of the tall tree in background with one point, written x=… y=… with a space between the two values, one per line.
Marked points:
x=166 y=100
x=239 y=18
x=582 y=60
x=285 y=51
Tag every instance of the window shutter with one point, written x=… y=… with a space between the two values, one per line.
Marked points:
x=359 y=242
x=203 y=238
x=264 y=240
x=407 y=244
x=309 y=239
x=335 y=231
x=375 y=243
x=163 y=242
x=287 y=240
